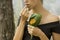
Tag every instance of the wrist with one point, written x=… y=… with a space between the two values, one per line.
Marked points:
x=22 y=20
x=42 y=36
x=40 y=33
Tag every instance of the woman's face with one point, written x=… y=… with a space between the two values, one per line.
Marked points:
x=31 y=3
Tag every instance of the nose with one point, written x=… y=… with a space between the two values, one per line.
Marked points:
x=25 y=1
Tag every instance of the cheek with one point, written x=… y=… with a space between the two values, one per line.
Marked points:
x=34 y=4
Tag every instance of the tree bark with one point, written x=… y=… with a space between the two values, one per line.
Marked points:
x=7 y=25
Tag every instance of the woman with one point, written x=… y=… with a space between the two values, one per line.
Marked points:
x=48 y=26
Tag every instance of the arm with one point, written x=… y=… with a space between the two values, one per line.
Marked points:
x=42 y=36
x=37 y=32
x=56 y=33
x=19 y=31
x=56 y=36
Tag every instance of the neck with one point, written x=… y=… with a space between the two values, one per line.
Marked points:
x=39 y=9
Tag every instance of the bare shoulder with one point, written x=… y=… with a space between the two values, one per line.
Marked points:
x=49 y=18
x=53 y=18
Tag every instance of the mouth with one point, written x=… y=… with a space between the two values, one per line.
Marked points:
x=28 y=5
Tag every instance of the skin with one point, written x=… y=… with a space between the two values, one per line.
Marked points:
x=35 y=6
x=20 y=29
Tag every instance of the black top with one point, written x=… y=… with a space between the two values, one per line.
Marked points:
x=46 y=28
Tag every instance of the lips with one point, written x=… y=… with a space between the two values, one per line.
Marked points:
x=26 y=4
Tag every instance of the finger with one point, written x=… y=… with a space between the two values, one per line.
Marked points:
x=22 y=9
x=31 y=26
x=25 y=13
x=30 y=31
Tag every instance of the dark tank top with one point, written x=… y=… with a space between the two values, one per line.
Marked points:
x=46 y=28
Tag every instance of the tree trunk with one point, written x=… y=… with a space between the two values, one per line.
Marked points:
x=7 y=26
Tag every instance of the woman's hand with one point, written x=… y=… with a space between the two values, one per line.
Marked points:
x=37 y=32
x=24 y=14
x=33 y=30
